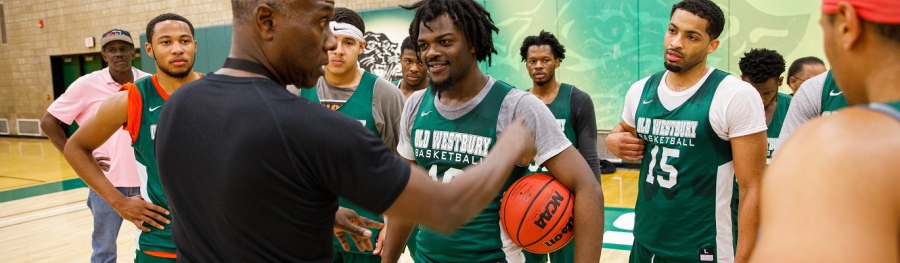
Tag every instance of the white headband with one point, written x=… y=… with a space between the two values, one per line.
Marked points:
x=346 y=29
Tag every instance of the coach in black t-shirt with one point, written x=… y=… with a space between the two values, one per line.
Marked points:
x=253 y=173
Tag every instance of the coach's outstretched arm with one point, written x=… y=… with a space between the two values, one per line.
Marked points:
x=446 y=207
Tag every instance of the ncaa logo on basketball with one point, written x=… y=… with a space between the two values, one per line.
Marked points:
x=549 y=210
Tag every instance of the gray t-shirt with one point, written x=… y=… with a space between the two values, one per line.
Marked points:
x=806 y=104
x=387 y=102
x=549 y=139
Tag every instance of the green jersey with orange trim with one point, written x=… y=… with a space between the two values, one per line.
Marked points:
x=145 y=102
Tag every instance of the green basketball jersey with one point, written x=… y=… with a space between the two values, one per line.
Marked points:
x=832 y=97
x=895 y=105
x=358 y=107
x=683 y=210
x=443 y=148
x=784 y=101
x=152 y=99
x=562 y=111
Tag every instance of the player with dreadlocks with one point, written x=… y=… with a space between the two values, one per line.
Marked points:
x=452 y=36
x=762 y=68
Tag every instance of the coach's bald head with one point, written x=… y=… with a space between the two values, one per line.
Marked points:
x=289 y=38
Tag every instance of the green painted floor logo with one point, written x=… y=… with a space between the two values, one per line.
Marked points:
x=618 y=228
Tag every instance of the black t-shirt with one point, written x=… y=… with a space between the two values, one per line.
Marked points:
x=253 y=173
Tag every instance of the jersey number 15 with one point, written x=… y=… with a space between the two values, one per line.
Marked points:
x=663 y=165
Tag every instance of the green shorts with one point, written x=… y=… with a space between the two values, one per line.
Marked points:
x=141 y=257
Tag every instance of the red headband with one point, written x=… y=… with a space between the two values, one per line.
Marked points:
x=876 y=11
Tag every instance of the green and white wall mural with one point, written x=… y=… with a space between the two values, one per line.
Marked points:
x=611 y=43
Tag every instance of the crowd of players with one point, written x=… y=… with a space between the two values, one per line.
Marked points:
x=235 y=168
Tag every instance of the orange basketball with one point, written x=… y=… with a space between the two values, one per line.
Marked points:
x=536 y=213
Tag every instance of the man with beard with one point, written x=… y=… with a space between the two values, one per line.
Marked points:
x=762 y=68
x=253 y=173
x=572 y=108
x=702 y=128
x=830 y=195
x=464 y=104
x=363 y=96
x=172 y=45
x=414 y=71
x=115 y=157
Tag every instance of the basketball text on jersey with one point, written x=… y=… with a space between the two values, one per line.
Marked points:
x=672 y=132
x=451 y=146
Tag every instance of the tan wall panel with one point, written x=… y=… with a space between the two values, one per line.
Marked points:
x=25 y=74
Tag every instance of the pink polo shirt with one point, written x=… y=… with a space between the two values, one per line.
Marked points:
x=81 y=102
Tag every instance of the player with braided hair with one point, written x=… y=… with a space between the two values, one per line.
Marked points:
x=452 y=36
x=762 y=68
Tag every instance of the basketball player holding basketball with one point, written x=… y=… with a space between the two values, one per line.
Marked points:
x=702 y=128
x=172 y=45
x=414 y=71
x=467 y=106
x=837 y=201
x=572 y=108
x=374 y=102
x=253 y=173
x=762 y=68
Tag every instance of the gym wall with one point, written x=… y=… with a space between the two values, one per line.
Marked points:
x=26 y=78
x=610 y=43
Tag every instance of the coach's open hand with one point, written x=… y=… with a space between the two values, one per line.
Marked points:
x=348 y=221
